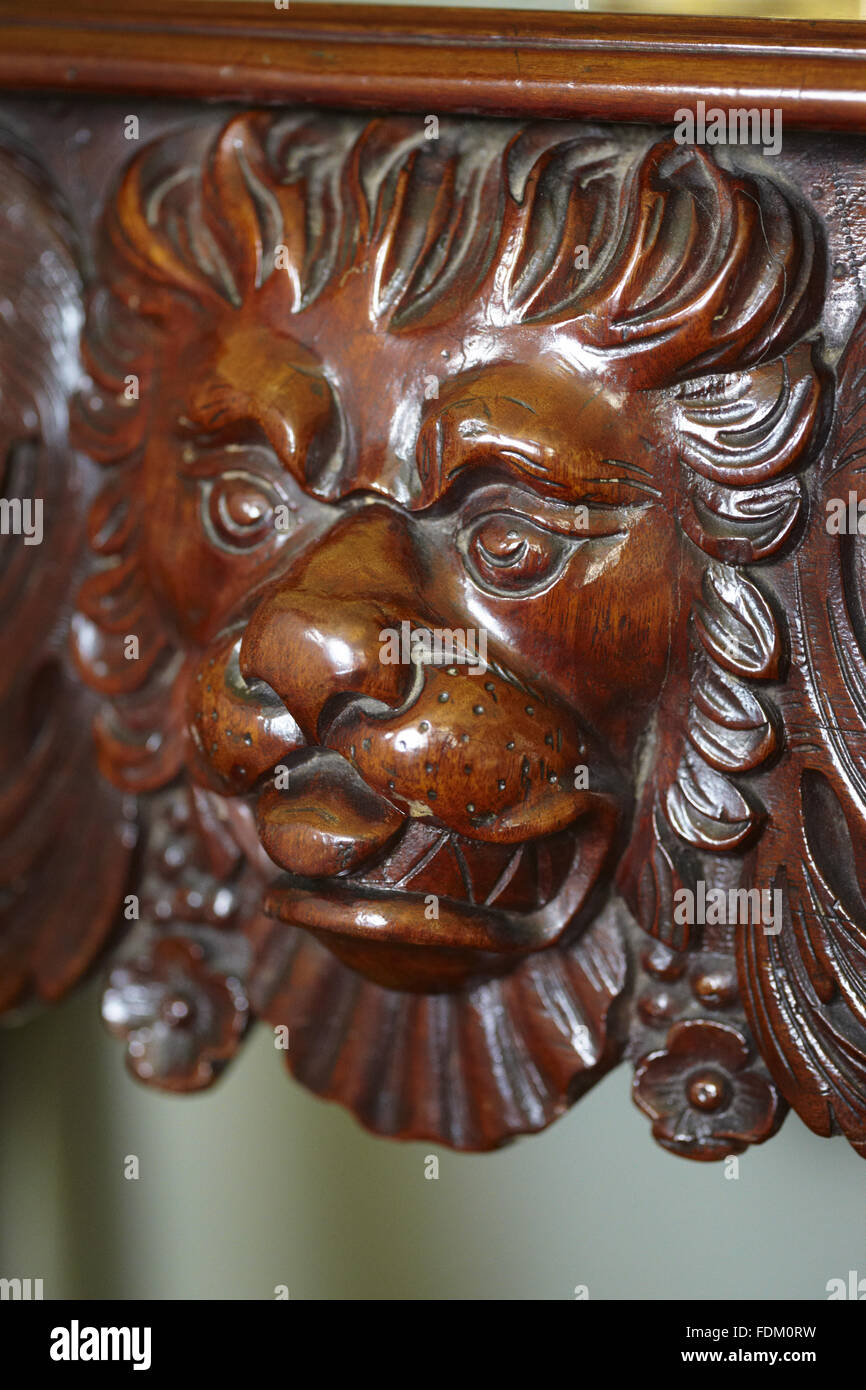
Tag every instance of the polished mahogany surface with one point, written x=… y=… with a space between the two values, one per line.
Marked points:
x=432 y=578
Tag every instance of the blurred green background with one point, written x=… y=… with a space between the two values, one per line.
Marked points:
x=257 y=1184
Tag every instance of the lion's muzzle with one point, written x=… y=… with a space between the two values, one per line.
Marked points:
x=380 y=782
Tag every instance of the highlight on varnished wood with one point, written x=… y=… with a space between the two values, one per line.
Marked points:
x=512 y=63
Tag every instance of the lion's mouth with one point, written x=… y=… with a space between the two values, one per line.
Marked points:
x=437 y=908
x=432 y=860
x=429 y=861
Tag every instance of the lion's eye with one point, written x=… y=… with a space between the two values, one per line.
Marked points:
x=510 y=554
x=238 y=510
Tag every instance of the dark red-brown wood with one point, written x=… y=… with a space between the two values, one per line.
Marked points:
x=302 y=392
x=588 y=66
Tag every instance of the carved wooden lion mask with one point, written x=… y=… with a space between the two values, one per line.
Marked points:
x=460 y=612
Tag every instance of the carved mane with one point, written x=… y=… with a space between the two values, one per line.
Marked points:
x=701 y=287
x=691 y=268
x=58 y=901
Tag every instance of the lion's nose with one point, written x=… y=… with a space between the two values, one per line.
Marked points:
x=316 y=635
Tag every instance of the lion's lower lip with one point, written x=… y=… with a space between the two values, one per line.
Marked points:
x=406 y=936
x=381 y=906
x=389 y=916
x=433 y=889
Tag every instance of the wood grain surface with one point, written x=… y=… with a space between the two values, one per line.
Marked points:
x=592 y=66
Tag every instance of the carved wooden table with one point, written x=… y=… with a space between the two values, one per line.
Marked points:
x=432 y=570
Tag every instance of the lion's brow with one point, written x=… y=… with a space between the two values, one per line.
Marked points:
x=638 y=483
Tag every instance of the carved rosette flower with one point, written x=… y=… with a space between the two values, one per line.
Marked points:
x=703 y=1100
x=181 y=1022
